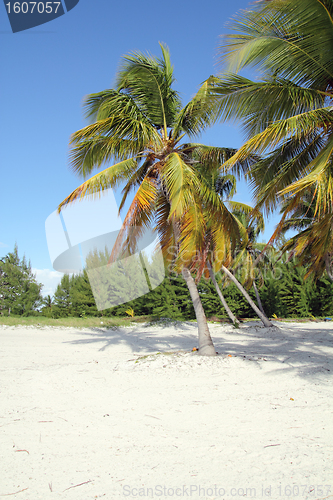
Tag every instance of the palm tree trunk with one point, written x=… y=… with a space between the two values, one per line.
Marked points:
x=206 y=346
x=219 y=293
x=258 y=298
x=263 y=318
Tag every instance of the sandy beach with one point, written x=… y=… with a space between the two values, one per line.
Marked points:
x=133 y=413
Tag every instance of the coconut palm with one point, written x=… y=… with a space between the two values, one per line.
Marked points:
x=288 y=116
x=248 y=258
x=138 y=127
x=313 y=244
x=224 y=185
x=224 y=232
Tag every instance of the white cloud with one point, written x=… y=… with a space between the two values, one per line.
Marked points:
x=49 y=278
x=3 y=245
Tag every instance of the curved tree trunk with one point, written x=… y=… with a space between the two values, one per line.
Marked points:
x=206 y=346
x=258 y=298
x=218 y=290
x=263 y=318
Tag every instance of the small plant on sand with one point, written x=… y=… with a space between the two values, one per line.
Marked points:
x=130 y=312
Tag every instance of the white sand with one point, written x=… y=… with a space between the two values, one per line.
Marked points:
x=81 y=419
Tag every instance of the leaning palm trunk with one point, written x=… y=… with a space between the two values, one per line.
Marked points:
x=258 y=298
x=206 y=346
x=219 y=293
x=263 y=318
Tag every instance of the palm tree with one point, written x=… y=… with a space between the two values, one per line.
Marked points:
x=313 y=244
x=139 y=125
x=225 y=186
x=288 y=115
x=247 y=256
x=223 y=232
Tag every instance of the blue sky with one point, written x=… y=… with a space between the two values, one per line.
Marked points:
x=46 y=73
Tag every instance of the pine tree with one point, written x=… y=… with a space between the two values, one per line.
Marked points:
x=163 y=301
x=322 y=299
x=295 y=291
x=20 y=293
x=82 y=298
x=62 y=298
x=47 y=308
x=210 y=299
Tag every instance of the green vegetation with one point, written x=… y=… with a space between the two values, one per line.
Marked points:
x=183 y=189
x=142 y=129
x=89 y=322
x=19 y=290
x=287 y=116
x=284 y=291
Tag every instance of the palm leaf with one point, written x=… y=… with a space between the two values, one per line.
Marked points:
x=199 y=113
x=148 y=81
x=108 y=178
x=278 y=36
x=179 y=180
x=139 y=217
x=257 y=104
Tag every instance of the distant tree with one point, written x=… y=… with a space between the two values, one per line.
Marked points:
x=46 y=310
x=295 y=292
x=62 y=298
x=322 y=298
x=82 y=298
x=172 y=299
x=20 y=293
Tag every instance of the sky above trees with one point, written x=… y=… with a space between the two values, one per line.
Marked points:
x=47 y=71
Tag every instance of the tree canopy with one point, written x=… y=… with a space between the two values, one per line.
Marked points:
x=19 y=291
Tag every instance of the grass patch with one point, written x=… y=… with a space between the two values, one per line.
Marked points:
x=112 y=322
x=92 y=322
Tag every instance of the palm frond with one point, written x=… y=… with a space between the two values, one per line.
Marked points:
x=180 y=180
x=121 y=130
x=320 y=178
x=258 y=104
x=108 y=178
x=199 y=113
x=148 y=81
x=139 y=217
x=278 y=37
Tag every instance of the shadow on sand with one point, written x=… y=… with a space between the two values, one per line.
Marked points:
x=296 y=348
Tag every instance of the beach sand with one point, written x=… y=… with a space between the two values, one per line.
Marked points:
x=86 y=414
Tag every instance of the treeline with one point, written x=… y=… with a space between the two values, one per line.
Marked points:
x=285 y=291
x=284 y=294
